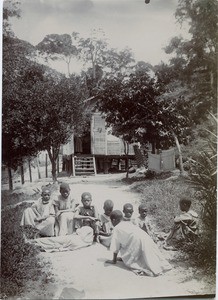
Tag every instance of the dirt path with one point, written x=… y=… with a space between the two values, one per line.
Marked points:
x=84 y=270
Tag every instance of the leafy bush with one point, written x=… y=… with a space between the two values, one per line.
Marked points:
x=203 y=179
x=202 y=252
x=202 y=176
x=157 y=175
x=150 y=174
x=19 y=260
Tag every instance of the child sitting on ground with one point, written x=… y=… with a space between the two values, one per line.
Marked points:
x=128 y=211
x=136 y=248
x=41 y=215
x=106 y=224
x=185 y=225
x=143 y=222
x=87 y=215
x=65 y=207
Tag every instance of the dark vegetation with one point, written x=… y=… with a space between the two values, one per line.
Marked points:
x=19 y=260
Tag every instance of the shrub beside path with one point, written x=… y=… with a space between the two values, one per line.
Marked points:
x=83 y=273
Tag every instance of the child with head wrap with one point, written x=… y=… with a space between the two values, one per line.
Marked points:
x=65 y=207
x=87 y=215
x=41 y=215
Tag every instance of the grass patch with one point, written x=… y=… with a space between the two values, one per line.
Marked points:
x=162 y=200
x=148 y=175
x=9 y=199
x=19 y=260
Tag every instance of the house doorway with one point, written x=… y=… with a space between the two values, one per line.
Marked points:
x=82 y=144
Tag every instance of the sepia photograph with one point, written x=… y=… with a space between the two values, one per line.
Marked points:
x=109 y=149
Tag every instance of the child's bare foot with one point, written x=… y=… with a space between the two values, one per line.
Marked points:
x=119 y=259
x=96 y=239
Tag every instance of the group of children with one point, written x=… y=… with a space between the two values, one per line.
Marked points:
x=63 y=215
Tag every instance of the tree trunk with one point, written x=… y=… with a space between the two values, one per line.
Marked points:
x=126 y=151
x=138 y=156
x=22 y=174
x=68 y=68
x=30 y=171
x=46 y=165
x=54 y=170
x=153 y=147
x=211 y=80
x=127 y=166
x=58 y=165
x=38 y=169
x=10 y=179
x=53 y=155
x=93 y=67
x=182 y=173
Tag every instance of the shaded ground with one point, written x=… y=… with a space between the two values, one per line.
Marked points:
x=84 y=274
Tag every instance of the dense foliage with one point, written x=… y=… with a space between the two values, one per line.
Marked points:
x=16 y=144
x=19 y=261
x=129 y=104
x=203 y=177
x=195 y=58
x=41 y=108
x=183 y=91
x=58 y=47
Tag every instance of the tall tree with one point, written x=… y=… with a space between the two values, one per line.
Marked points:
x=130 y=106
x=195 y=61
x=119 y=62
x=10 y=9
x=58 y=47
x=15 y=53
x=92 y=50
x=40 y=107
x=52 y=109
x=188 y=84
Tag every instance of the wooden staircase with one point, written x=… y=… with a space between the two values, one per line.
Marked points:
x=84 y=165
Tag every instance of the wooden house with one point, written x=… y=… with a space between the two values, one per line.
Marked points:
x=97 y=151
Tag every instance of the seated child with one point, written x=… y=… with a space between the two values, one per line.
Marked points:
x=87 y=215
x=106 y=224
x=185 y=225
x=41 y=215
x=65 y=207
x=128 y=211
x=143 y=222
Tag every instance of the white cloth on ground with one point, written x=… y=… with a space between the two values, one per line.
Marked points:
x=82 y=238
